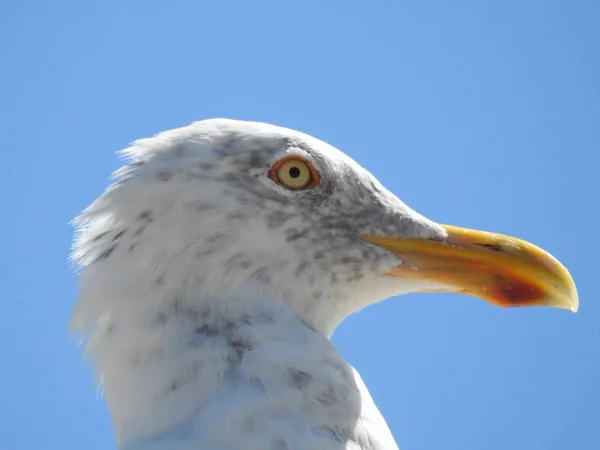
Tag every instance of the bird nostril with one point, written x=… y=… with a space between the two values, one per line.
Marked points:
x=493 y=247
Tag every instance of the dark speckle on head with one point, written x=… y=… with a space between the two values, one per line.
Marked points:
x=265 y=317
x=240 y=347
x=110 y=329
x=208 y=330
x=187 y=375
x=262 y=274
x=139 y=231
x=299 y=378
x=204 y=206
x=293 y=234
x=349 y=260
x=100 y=236
x=330 y=432
x=229 y=143
x=234 y=260
x=301 y=268
x=204 y=253
x=160 y=318
x=317 y=295
x=145 y=216
x=106 y=253
x=215 y=237
x=328 y=397
x=119 y=234
x=258 y=158
x=356 y=276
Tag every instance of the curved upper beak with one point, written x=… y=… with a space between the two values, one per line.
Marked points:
x=503 y=270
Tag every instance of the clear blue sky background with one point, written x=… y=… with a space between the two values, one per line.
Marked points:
x=480 y=114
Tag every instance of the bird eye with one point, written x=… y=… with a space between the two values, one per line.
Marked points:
x=294 y=173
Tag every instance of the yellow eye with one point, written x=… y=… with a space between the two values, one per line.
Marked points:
x=294 y=173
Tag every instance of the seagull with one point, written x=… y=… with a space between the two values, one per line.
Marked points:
x=216 y=267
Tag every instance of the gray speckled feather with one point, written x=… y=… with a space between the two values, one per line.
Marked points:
x=208 y=291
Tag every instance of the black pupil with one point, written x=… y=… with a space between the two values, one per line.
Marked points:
x=294 y=172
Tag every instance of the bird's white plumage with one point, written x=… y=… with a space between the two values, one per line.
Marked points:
x=209 y=292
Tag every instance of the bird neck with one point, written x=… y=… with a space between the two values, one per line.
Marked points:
x=182 y=369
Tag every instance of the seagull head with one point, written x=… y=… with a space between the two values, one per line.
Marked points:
x=223 y=211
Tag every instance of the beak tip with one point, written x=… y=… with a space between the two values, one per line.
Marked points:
x=573 y=297
x=575 y=304
x=569 y=302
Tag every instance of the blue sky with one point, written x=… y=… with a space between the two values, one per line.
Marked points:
x=480 y=114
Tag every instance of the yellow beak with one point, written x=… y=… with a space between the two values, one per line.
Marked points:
x=503 y=270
